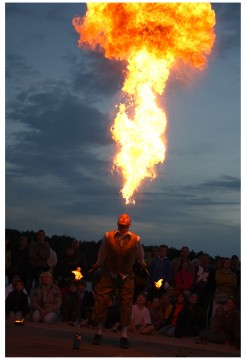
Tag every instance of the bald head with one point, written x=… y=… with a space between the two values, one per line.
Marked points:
x=124 y=220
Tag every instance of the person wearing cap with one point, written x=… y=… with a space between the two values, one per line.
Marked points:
x=116 y=256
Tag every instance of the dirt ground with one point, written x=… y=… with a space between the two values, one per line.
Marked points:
x=46 y=340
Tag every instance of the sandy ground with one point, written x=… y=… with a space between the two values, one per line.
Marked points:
x=46 y=340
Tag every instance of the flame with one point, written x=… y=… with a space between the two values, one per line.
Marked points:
x=158 y=283
x=77 y=274
x=151 y=37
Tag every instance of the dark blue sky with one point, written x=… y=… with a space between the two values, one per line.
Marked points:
x=60 y=104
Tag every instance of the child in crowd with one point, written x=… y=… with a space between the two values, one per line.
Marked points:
x=16 y=303
x=140 y=319
x=71 y=303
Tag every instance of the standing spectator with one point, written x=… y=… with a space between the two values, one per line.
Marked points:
x=160 y=268
x=140 y=318
x=46 y=300
x=52 y=259
x=212 y=283
x=117 y=254
x=79 y=255
x=8 y=259
x=226 y=283
x=148 y=259
x=235 y=267
x=20 y=259
x=16 y=303
x=140 y=281
x=66 y=264
x=153 y=255
x=203 y=284
x=39 y=252
x=176 y=262
x=71 y=303
x=183 y=279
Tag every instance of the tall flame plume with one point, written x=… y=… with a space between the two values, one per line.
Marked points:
x=151 y=37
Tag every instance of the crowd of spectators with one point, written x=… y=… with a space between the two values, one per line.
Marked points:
x=176 y=297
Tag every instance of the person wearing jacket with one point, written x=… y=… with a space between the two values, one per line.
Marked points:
x=226 y=283
x=46 y=300
x=183 y=279
x=16 y=303
x=160 y=268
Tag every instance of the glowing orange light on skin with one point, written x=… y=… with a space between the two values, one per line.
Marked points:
x=151 y=37
x=158 y=283
x=77 y=273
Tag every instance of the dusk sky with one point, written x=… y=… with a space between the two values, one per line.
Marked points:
x=60 y=105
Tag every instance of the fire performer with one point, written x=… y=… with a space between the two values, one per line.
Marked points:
x=117 y=254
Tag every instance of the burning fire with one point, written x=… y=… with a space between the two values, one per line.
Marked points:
x=151 y=37
x=158 y=283
x=77 y=274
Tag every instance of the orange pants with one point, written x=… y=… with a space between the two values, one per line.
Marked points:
x=122 y=288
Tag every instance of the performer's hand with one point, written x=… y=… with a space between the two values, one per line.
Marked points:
x=94 y=267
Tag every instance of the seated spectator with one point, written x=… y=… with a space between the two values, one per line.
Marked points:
x=81 y=285
x=232 y=323
x=215 y=332
x=71 y=303
x=224 y=326
x=197 y=320
x=156 y=313
x=46 y=300
x=191 y=319
x=177 y=320
x=140 y=319
x=113 y=317
x=171 y=292
x=166 y=306
x=16 y=303
x=9 y=288
x=87 y=307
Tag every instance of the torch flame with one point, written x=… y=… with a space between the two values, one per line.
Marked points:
x=158 y=283
x=151 y=37
x=77 y=273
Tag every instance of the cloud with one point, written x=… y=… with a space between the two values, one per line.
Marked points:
x=17 y=67
x=228 y=27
